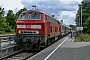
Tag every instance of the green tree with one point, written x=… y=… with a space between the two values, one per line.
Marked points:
x=72 y=26
x=85 y=16
x=11 y=19
x=21 y=10
x=8 y=22
x=3 y=24
x=87 y=25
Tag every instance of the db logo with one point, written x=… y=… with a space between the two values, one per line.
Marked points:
x=27 y=26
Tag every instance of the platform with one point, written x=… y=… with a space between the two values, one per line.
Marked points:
x=65 y=49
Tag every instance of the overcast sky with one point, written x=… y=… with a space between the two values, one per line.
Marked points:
x=62 y=9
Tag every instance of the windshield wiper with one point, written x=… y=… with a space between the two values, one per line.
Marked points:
x=34 y=14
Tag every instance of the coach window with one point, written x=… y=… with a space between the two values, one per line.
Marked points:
x=55 y=29
x=59 y=28
x=35 y=16
x=24 y=16
x=50 y=28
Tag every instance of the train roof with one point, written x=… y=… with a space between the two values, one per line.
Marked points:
x=40 y=11
x=63 y=24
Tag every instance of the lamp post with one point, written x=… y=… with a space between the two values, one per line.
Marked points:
x=79 y=20
x=78 y=23
x=80 y=5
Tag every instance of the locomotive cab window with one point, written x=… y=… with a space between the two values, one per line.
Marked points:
x=24 y=16
x=35 y=16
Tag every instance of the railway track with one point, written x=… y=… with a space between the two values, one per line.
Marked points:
x=23 y=55
x=9 y=50
x=15 y=53
x=6 y=37
x=12 y=51
x=7 y=46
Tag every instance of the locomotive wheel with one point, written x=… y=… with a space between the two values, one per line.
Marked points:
x=45 y=44
x=52 y=40
x=30 y=45
x=48 y=42
x=39 y=44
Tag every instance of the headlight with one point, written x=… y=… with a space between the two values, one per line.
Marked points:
x=37 y=32
x=19 y=31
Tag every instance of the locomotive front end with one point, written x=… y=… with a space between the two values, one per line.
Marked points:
x=29 y=30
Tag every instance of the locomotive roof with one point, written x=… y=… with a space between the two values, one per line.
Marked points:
x=35 y=11
x=39 y=11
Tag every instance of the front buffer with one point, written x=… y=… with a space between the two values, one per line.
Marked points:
x=28 y=42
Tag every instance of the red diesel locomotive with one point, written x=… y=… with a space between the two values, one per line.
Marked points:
x=35 y=29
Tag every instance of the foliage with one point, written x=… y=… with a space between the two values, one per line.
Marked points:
x=87 y=25
x=8 y=22
x=21 y=10
x=85 y=38
x=11 y=19
x=85 y=17
x=3 y=24
x=72 y=26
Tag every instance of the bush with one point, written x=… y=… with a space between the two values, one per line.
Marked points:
x=8 y=29
x=2 y=32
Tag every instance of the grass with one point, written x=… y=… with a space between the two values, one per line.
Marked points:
x=85 y=38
